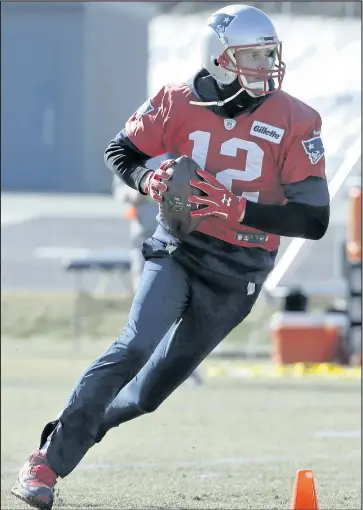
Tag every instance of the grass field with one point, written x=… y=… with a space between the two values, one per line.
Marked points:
x=27 y=315
x=232 y=443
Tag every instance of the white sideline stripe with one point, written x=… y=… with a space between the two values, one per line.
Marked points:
x=353 y=154
x=338 y=434
x=196 y=463
x=14 y=218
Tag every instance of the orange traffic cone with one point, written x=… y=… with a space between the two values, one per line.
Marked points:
x=304 y=494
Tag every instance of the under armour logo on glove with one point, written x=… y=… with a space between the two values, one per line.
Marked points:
x=226 y=200
x=220 y=201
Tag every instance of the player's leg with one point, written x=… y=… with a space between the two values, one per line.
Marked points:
x=159 y=303
x=208 y=319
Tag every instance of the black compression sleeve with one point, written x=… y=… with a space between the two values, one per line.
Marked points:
x=290 y=220
x=126 y=161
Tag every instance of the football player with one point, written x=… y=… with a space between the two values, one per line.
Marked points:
x=262 y=174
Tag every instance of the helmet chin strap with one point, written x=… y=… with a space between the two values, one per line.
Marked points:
x=217 y=103
x=222 y=103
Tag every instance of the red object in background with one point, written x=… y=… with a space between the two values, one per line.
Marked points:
x=354 y=237
x=300 y=337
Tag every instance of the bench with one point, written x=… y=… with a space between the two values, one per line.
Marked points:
x=106 y=263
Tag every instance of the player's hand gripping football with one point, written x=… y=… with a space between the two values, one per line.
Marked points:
x=220 y=201
x=154 y=183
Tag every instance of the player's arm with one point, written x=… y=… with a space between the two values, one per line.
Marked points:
x=307 y=210
x=126 y=161
x=306 y=213
x=145 y=136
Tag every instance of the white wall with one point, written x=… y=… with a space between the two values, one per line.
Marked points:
x=323 y=58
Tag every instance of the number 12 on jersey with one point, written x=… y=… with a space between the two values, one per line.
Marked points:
x=254 y=160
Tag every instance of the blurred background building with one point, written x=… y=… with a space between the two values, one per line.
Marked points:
x=73 y=72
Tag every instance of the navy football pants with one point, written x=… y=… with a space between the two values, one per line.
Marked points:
x=176 y=319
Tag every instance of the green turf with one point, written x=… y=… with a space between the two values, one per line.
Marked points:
x=233 y=443
x=25 y=314
x=28 y=314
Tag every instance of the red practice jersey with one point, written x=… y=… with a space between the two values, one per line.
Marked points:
x=253 y=155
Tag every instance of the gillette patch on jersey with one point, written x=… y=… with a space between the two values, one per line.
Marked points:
x=267 y=132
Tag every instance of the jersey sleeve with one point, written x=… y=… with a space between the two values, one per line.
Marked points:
x=305 y=157
x=150 y=127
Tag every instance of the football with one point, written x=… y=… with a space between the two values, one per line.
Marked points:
x=175 y=208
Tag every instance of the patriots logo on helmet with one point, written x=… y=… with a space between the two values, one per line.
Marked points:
x=219 y=22
x=314 y=149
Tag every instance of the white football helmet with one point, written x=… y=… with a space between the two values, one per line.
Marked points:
x=241 y=27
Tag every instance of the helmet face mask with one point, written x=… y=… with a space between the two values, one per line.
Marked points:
x=238 y=30
x=255 y=80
